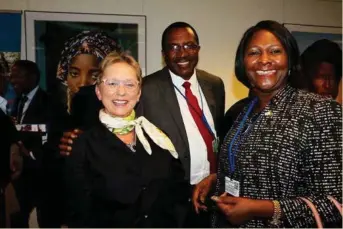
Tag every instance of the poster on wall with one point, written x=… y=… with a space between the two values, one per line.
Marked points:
x=10 y=46
x=321 y=63
x=308 y=34
x=55 y=40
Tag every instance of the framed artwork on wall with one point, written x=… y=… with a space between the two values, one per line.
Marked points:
x=47 y=33
x=10 y=50
x=307 y=34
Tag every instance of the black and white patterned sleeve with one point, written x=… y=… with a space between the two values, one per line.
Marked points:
x=322 y=170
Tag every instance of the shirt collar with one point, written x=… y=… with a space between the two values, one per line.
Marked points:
x=178 y=80
x=32 y=93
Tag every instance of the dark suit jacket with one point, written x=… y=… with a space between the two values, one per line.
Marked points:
x=42 y=110
x=110 y=186
x=161 y=107
x=9 y=135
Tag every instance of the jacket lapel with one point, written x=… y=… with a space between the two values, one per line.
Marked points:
x=35 y=109
x=207 y=90
x=167 y=89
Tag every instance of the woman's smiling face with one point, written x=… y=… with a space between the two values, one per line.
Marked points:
x=119 y=89
x=266 y=62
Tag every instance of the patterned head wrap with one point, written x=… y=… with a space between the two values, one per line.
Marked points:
x=96 y=43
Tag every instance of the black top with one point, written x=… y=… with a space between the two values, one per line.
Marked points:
x=111 y=186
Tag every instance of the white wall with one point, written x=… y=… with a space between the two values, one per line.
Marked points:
x=220 y=24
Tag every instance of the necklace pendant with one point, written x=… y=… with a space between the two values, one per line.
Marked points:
x=132 y=146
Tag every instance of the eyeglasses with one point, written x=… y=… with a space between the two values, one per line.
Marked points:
x=187 y=47
x=113 y=84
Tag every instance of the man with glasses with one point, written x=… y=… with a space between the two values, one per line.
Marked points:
x=188 y=105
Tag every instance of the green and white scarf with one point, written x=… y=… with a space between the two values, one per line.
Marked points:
x=122 y=126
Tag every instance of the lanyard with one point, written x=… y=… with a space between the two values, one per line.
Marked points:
x=202 y=115
x=231 y=153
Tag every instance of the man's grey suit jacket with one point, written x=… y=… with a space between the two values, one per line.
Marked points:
x=159 y=105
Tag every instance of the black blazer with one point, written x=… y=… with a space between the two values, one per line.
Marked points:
x=161 y=107
x=110 y=186
x=9 y=135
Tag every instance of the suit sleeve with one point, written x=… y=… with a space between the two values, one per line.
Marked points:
x=322 y=170
x=78 y=186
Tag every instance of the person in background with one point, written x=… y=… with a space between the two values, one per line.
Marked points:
x=36 y=117
x=7 y=169
x=321 y=65
x=286 y=144
x=123 y=172
x=193 y=108
x=80 y=58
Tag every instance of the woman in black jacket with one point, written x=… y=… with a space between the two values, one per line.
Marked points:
x=124 y=171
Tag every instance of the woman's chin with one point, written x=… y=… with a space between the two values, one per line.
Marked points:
x=118 y=112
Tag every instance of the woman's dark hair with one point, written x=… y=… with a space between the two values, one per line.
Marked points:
x=321 y=51
x=175 y=25
x=287 y=40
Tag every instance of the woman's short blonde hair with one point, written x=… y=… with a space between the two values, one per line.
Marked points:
x=115 y=57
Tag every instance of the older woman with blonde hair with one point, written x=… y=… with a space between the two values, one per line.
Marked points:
x=124 y=171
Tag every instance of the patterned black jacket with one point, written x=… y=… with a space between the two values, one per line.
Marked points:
x=293 y=148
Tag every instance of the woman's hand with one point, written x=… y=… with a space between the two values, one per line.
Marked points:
x=239 y=210
x=67 y=140
x=201 y=191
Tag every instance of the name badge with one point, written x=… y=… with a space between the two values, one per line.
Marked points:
x=215 y=145
x=232 y=187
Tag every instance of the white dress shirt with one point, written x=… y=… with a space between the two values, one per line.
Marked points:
x=200 y=167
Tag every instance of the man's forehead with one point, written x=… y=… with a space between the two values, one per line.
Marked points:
x=181 y=34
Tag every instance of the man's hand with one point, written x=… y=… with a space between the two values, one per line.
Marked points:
x=23 y=149
x=67 y=140
x=16 y=161
x=201 y=191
